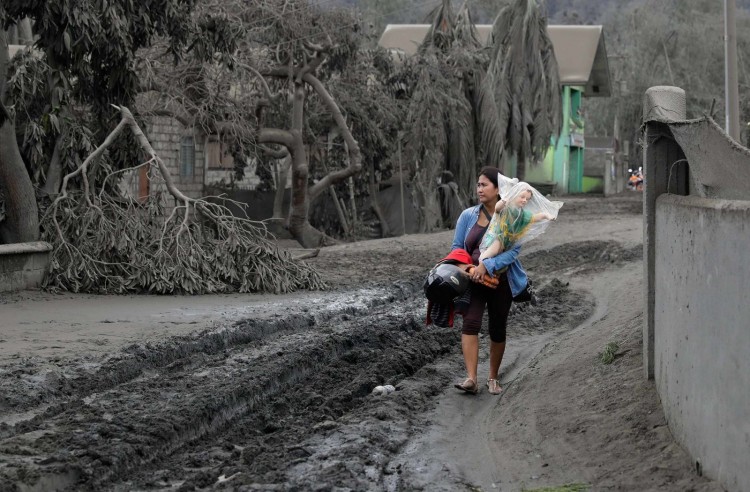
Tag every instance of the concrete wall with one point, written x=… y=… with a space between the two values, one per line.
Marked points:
x=702 y=336
x=696 y=333
x=23 y=265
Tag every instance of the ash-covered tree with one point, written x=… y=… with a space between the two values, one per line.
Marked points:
x=441 y=131
x=57 y=95
x=324 y=86
x=297 y=50
x=375 y=113
x=520 y=102
x=69 y=99
x=494 y=102
x=651 y=44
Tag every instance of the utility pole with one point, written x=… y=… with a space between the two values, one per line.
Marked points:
x=731 y=88
x=401 y=186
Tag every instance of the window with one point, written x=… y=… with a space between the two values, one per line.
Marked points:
x=187 y=156
x=218 y=155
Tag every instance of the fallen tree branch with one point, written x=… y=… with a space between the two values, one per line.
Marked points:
x=311 y=254
x=107 y=243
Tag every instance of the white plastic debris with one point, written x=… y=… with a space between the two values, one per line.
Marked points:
x=383 y=390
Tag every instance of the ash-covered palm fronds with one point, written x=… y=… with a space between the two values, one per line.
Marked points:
x=438 y=109
x=466 y=34
x=106 y=243
x=442 y=124
x=441 y=34
x=519 y=101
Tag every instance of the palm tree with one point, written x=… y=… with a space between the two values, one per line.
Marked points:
x=473 y=105
x=519 y=98
x=442 y=128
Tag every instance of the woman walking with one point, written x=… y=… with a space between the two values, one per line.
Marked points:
x=470 y=228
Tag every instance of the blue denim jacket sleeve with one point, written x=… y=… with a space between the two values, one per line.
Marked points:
x=502 y=260
x=462 y=226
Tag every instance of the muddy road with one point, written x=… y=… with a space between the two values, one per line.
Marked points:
x=283 y=400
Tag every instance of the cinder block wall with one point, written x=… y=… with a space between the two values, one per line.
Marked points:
x=166 y=134
x=702 y=340
x=23 y=265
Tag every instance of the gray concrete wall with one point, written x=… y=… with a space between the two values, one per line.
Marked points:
x=661 y=105
x=702 y=336
x=696 y=334
x=23 y=265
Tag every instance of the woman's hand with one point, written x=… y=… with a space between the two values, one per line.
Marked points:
x=478 y=272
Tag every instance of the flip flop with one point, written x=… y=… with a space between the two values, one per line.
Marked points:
x=468 y=386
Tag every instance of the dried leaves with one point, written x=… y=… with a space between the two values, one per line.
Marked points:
x=121 y=245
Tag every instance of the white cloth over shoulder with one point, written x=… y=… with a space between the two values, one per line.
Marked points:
x=519 y=222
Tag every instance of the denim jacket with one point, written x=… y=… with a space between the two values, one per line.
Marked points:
x=516 y=274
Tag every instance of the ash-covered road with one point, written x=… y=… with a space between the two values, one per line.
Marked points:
x=279 y=402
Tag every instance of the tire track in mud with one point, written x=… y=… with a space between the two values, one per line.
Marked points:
x=162 y=410
x=275 y=403
x=22 y=387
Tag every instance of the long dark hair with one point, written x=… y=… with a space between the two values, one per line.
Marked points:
x=491 y=173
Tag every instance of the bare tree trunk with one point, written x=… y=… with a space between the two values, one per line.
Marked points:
x=339 y=211
x=299 y=227
x=297 y=224
x=278 y=198
x=352 y=202
x=373 y=188
x=21 y=222
x=54 y=173
x=521 y=170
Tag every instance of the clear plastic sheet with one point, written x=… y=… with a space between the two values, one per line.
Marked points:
x=521 y=215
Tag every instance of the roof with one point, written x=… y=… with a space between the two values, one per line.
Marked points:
x=580 y=51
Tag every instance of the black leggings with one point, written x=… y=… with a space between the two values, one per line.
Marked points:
x=498 y=303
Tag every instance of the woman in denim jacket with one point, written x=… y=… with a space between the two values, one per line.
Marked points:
x=470 y=229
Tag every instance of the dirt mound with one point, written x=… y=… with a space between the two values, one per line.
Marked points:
x=579 y=257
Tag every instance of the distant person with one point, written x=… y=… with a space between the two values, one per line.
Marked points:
x=632 y=182
x=512 y=279
x=639 y=181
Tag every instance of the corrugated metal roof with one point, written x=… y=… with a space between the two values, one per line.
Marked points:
x=580 y=51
